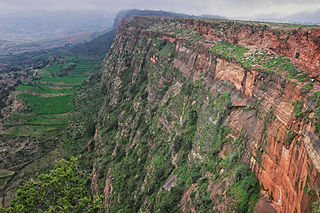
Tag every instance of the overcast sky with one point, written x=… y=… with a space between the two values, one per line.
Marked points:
x=228 y=8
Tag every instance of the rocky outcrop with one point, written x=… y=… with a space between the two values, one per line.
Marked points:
x=159 y=63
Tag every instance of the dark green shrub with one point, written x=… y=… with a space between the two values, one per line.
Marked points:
x=62 y=189
x=298 y=107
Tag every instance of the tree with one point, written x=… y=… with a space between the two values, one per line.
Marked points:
x=63 y=189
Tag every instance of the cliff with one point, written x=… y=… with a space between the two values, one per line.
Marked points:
x=187 y=101
x=166 y=68
x=191 y=115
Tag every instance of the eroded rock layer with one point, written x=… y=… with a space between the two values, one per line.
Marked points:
x=188 y=100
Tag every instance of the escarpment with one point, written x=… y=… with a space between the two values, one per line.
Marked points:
x=189 y=103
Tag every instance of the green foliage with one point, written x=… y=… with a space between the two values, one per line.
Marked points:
x=290 y=137
x=298 y=109
x=190 y=129
x=306 y=88
x=306 y=185
x=266 y=62
x=241 y=172
x=146 y=135
x=62 y=189
x=169 y=200
x=230 y=50
x=315 y=101
x=167 y=49
x=245 y=189
x=201 y=196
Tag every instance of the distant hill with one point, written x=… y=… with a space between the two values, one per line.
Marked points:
x=124 y=14
x=34 y=31
x=304 y=18
x=47 y=25
x=97 y=48
x=212 y=16
x=307 y=17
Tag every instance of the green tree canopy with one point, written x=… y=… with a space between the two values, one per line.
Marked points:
x=63 y=189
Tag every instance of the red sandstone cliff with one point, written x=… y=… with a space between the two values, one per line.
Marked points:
x=289 y=172
x=283 y=148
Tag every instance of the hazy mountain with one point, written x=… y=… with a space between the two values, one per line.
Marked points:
x=135 y=12
x=41 y=25
x=32 y=31
x=307 y=17
x=212 y=16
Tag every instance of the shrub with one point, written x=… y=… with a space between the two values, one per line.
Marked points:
x=63 y=189
x=298 y=107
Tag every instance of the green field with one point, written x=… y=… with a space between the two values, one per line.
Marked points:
x=49 y=100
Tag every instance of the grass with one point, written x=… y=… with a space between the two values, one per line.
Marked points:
x=264 y=61
x=51 y=101
x=17 y=119
x=81 y=70
x=48 y=105
x=167 y=50
x=41 y=88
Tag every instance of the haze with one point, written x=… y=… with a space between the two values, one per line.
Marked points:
x=37 y=24
x=228 y=8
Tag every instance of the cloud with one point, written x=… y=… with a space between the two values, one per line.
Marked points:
x=231 y=8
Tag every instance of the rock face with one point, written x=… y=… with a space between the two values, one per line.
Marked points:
x=300 y=44
x=177 y=106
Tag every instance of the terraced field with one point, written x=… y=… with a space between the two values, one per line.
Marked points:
x=49 y=100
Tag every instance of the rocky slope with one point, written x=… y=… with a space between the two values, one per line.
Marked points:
x=184 y=103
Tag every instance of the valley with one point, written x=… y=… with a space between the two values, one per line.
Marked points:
x=44 y=107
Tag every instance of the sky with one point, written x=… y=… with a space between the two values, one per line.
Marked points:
x=227 y=8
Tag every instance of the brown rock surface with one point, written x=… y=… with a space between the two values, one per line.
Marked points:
x=263 y=103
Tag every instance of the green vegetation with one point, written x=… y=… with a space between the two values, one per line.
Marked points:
x=146 y=166
x=62 y=189
x=49 y=100
x=81 y=70
x=315 y=101
x=42 y=88
x=230 y=50
x=94 y=49
x=150 y=132
x=259 y=60
x=167 y=49
x=245 y=188
x=307 y=87
x=48 y=105
x=29 y=124
x=298 y=109
x=41 y=131
x=290 y=137
x=306 y=185
x=138 y=128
